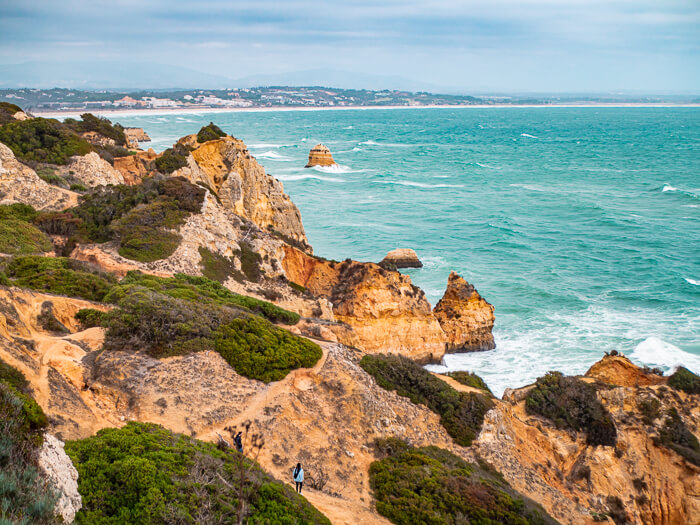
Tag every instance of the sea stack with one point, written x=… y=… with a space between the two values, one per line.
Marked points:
x=320 y=155
x=402 y=258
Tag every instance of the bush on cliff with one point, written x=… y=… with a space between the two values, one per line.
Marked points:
x=205 y=291
x=461 y=413
x=25 y=496
x=104 y=127
x=58 y=275
x=17 y=235
x=172 y=159
x=572 y=404
x=43 y=140
x=210 y=132
x=90 y=317
x=143 y=473
x=433 y=486
x=676 y=436
x=7 y=112
x=469 y=379
x=177 y=324
x=685 y=380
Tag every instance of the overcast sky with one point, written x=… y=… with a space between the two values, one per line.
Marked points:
x=494 y=45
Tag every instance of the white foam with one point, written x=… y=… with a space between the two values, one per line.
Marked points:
x=335 y=168
x=308 y=176
x=348 y=127
x=692 y=281
x=274 y=156
x=356 y=149
x=528 y=135
x=369 y=143
x=487 y=166
x=656 y=352
x=668 y=187
x=420 y=184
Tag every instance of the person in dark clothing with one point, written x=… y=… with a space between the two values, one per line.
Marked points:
x=298 y=475
x=239 y=442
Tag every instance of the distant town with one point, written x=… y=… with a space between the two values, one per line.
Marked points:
x=71 y=100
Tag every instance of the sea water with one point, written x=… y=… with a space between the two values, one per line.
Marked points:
x=580 y=225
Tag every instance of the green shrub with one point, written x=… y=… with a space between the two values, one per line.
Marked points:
x=299 y=288
x=7 y=112
x=58 y=275
x=89 y=317
x=210 y=132
x=685 y=380
x=49 y=176
x=21 y=238
x=433 y=486
x=206 y=291
x=18 y=211
x=145 y=474
x=104 y=127
x=259 y=350
x=144 y=244
x=250 y=262
x=13 y=377
x=172 y=159
x=461 y=413
x=676 y=436
x=215 y=266
x=43 y=140
x=649 y=409
x=78 y=187
x=469 y=379
x=58 y=223
x=572 y=404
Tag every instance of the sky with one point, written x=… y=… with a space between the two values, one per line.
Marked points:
x=494 y=46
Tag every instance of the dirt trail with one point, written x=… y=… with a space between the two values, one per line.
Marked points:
x=342 y=511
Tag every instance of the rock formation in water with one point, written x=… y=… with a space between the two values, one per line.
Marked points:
x=134 y=136
x=465 y=317
x=401 y=258
x=320 y=155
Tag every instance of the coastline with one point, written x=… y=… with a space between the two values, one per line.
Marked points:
x=190 y=111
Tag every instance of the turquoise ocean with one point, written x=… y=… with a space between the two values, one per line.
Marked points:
x=581 y=225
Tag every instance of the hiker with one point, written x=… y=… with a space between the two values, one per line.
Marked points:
x=298 y=477
x=239 y=442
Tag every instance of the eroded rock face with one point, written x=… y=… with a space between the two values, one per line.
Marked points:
x=320 y=155
x=402 y=258
x=134 y=168
x=98 y=139
x=20 y=183
x=135 y=135
x=59 y=470
x=242 y=185
x=570 y=479
x=92 y=170
x=386 y=311
x=465 y=317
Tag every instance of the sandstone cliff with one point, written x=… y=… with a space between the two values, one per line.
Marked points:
x=465 y=317
x=320 y=155
x=135 y=167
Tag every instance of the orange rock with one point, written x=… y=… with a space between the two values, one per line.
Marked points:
x=320 y=155
x=135 y=167
x=402 y=258
x=620 y=371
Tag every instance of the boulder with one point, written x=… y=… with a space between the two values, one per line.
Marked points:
x=402 y=258
x=92 y=170
x=465 y=317
x=620 y=371
x=59 y=470
x=320 y=155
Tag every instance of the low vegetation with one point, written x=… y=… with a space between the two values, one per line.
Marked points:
x=210 y=132
x=432 y=486
x=215 y=266
x=172 y=159
x=187 y=314
x=89 y=122
x=25 y=496
x=143 y=473
x=18 y=236
x=675 y=435
x=90 y=317
x=59 y=275
x=469 y=379
x=685 y=380
x=572 y=404
x=7 y=112
x=461 y=413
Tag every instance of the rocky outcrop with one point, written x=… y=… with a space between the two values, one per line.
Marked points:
x=386 y=311
x=465 y=317
x=402 y=258
x=134 y=168
x=59 y=470
x=92 y=170
x=134 y=136
x=20 y=183
x=98 y=139
x=242 y=186
x=320 y=155
x=648 y=483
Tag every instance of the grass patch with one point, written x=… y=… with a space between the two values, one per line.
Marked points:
x=250 y=262
x=461 y=413
x=17 y=235
x=215 y=266
x=60 y=276
x=676 y=436
x=572 y=404
x=210 y=132
x=685 y=380
x=433 y=486
x=25 y=497
x=143 y=473
x=469 y=379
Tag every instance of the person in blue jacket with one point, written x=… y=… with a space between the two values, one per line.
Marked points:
x=298 y=475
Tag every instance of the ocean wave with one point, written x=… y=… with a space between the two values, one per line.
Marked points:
x=273 y=156
x=348 y=127
x=356 y=149
x=667 y=188
x=533 y=187
x=692 y=281
x=528 y=136
x=487 y=166
x=657 y=352
x=420 y=184
x=286 y=178
x=335 y=168
x=267 y=145
x=369 y=143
